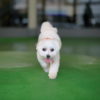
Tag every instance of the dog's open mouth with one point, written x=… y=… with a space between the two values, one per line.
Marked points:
x=48 y=60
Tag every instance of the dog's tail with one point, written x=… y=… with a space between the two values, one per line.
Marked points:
x=46 y=26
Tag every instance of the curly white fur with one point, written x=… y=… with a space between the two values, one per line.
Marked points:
x=49 y=43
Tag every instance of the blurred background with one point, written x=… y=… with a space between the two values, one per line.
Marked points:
x=62 y=13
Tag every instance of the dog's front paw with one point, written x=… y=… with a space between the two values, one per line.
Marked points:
x=52 y=75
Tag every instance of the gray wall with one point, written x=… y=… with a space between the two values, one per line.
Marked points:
x=25 y=32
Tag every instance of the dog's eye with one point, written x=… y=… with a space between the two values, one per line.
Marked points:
x=52 y=49
x=44 y=49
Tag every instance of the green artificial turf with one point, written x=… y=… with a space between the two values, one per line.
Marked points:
x=22 y=78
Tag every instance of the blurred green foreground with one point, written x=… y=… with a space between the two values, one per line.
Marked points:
x=22 y=78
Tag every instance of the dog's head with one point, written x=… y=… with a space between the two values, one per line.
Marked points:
x=48 y=48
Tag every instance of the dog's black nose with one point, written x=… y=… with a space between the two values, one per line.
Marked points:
x=48 y=56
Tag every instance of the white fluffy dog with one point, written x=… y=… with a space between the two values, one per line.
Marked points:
x=48 y=49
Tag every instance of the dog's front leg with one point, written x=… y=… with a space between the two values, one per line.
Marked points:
x=54 y=67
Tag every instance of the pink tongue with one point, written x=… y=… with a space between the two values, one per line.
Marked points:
x=48 y=60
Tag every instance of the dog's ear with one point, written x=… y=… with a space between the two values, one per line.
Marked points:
x=55 y=30
x=37 y=46
x=58 y=45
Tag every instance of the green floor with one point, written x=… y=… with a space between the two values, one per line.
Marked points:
x=22 y=78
